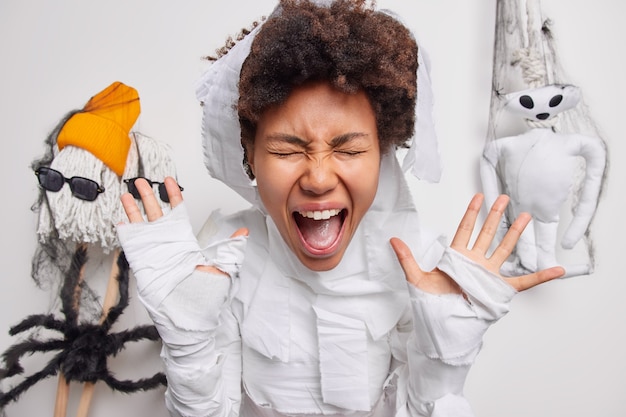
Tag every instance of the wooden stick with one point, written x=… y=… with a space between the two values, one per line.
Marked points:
x=63 y=392
x=113 y=288
x=110 y=298
x=85 y=399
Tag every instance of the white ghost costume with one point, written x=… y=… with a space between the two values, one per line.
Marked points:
x=278 y=339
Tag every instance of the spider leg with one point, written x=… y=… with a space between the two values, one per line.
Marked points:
x=73 y=284
x=12 y=355
x=143 y=384
x=12 y=395
x=116 y=344
x=122 y=280
x=118 y=340
x=47 y=321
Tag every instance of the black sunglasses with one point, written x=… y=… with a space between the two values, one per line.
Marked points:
x=83 y=188
x=162 y=191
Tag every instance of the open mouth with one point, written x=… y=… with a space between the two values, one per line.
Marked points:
x=320 y=231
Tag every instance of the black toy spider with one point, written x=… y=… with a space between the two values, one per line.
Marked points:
x=84 y=347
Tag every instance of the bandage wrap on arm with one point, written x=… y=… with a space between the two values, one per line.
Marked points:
x=187 y=307
x=165 y=253
x=448 y=335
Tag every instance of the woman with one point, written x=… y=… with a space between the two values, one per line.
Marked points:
x=312 y=313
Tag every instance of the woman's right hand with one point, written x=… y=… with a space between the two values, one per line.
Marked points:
x=153 y=210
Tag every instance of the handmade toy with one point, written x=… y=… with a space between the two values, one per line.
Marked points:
x=538 y=169
x=83 y=347
x=91 y=159
x=551 y=161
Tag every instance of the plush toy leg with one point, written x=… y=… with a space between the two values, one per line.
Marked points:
x=546 y=237
x=546 y=234
x=526 y=250
x=110 y=297
x=524 y=258
x=576 y=270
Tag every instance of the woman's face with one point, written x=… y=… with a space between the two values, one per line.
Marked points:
x=316 y=159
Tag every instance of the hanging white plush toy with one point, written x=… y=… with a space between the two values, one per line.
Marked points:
x=543 y=148
x=538 y=169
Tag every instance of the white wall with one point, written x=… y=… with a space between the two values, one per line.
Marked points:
x=560 y=350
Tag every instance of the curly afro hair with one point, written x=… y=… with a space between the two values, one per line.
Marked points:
x=346 y=43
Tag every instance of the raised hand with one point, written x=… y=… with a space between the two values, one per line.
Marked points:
x=437 y=282
x=154 y=212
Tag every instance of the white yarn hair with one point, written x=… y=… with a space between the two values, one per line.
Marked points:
x=73 y=219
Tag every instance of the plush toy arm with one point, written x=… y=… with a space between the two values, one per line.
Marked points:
x=593 y=150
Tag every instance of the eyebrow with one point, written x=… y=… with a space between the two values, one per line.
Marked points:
x=290 y=139
x=345 y=138
x=295 y=140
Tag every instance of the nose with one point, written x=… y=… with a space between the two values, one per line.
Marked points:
x=320 y=176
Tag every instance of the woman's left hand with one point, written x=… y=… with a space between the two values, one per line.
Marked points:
x=437 y=282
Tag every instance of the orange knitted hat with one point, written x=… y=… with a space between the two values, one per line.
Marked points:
x=102 y=127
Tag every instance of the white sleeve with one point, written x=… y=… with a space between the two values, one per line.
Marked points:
x=447 y=336
x=202 y=355
x=190 y=309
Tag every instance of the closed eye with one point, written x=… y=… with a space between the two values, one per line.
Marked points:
x=349 y=153
x=285 y=146
x=285 y=154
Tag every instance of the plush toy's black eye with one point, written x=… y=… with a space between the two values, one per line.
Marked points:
x=556 y=100
x=527 y=102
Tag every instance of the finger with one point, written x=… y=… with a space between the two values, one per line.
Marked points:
x=173 y=191
x=240 y=232
x=525 y=282
x=490 y=227
x=466 y=226
x=411 y=269
x=150 y=204
x=506 y=246
x=130 y=207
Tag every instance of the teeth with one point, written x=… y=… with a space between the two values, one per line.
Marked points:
x=320 y=215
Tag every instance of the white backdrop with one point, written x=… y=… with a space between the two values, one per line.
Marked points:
x=560 y=350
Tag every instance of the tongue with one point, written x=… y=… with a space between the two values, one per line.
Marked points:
x=319 y=234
